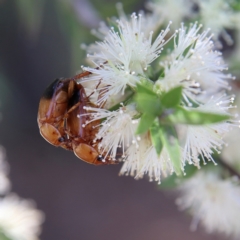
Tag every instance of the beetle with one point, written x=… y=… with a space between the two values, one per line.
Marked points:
x=62 y=115
x=52 y=108
x=82 y=135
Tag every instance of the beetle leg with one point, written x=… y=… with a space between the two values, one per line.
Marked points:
x=86 y=73
x=95 y=89
x=81 y=75
x=71 y=88
x=70 y=110
x=100 y=94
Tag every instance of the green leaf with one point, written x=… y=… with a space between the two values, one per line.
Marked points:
x=129 y=98
x=190 y=170
x=147 y=101
x=170 y=142
x=235 y=5
x=145 y=123
x=148 y=104
x=161 y=73
x=155 y=73
x=3 y=236
x=155 y=133
x=172 y=98
x=169 y=182
x=145 y=89
x=196 y=117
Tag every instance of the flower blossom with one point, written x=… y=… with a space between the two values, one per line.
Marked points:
x=202 y=141
x=19 y=219
x=143 y=160
x=150 y=22
x=117 y=131
x=171 y=10
x=5 y=184
x=128 y=57
x=213 y=202
x=124 y=56
x=194 y=64
x=231 y=152
x=219 y=16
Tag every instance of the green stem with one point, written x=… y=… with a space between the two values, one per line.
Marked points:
x=118 y=105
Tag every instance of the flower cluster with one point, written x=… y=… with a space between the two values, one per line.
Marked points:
x=221 y=16
x=213 y=202
x=19 y=218
x=160 y=96
x=231 y=152
x=176 y=11
x=5 y=184
x=218 y=15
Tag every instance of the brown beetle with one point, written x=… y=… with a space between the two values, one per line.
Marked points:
x=58 y=119
x=52 y=108
x=82 y=137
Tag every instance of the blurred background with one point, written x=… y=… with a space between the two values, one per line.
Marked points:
x=40 y=41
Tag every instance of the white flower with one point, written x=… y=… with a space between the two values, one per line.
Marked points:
x=134 y=158
x=113 y=81
x=143 y=160
x=124 y=56
x=130 y=47
x=202 y=140
x=194 y=64
x=156 y=166
x=5 y=184
x=172 y=10
x=128 y=56
x=19 y=219
x=219 y=16
x=231 y=152
x=117 y=132
x=149 y=23
x=213 y=202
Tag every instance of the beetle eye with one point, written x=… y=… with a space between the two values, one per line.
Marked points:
x=100 y=158
x=61 y=139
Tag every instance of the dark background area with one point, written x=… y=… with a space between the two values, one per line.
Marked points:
x=80 y=201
